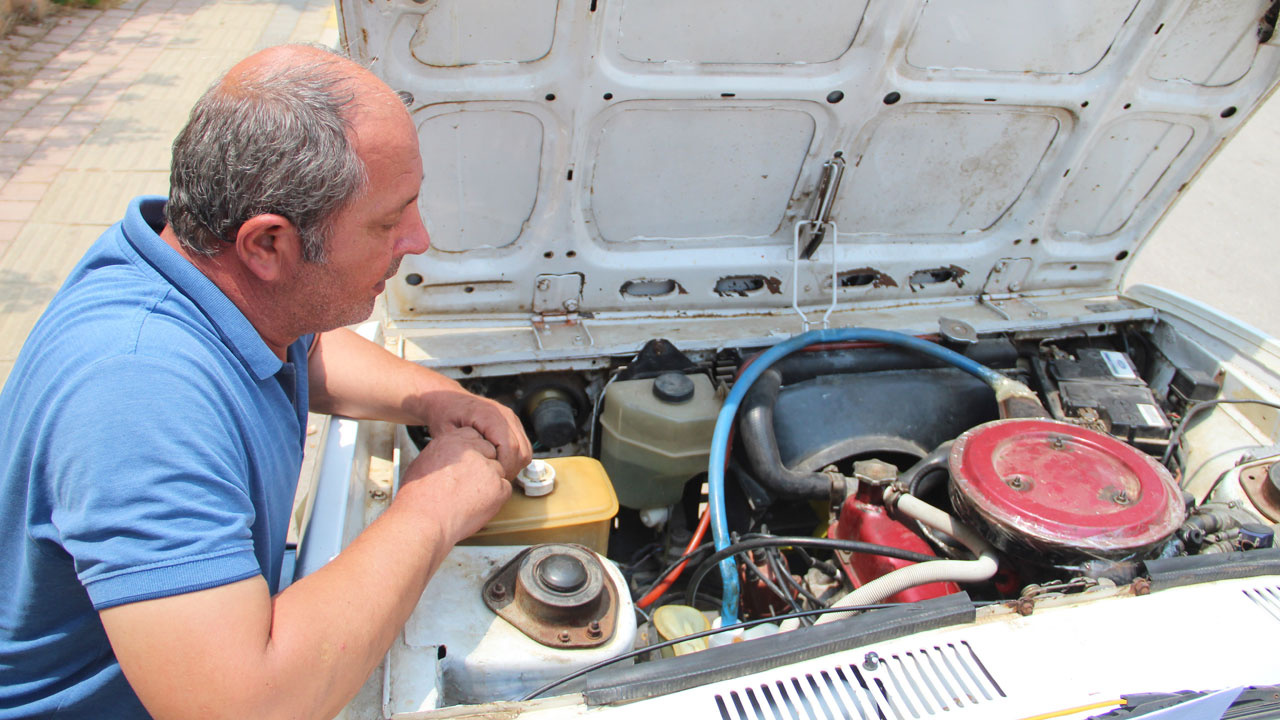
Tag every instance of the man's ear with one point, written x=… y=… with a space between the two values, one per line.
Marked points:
x=269 y=246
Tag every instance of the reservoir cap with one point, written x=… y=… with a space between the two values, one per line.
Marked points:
x=673 y=387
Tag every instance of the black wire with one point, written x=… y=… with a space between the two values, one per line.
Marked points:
x=782 y=595
x=641 y=556
x=672 y=568
x=686 y=638
x=773 y=556
x=776 y=541
x=823 y=565
x=783 y=570
x=1194 y=412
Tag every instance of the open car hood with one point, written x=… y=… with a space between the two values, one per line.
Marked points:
x=603 y=157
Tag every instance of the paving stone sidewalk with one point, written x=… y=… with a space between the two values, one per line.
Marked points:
x=90 y=102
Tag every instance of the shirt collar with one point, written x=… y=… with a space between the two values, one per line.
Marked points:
x=140 y=224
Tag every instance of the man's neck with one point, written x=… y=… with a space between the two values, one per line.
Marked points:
x=242 y=289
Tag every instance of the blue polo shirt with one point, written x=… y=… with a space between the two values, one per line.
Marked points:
x=150 y=446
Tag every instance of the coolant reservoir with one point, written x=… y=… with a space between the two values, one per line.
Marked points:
x=656 y=434
x=578 y=510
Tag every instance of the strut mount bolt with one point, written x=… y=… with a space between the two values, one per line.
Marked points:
x=564 y=636
x=594 y=629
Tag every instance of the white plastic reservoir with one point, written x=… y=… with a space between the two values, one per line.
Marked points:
x=455 y=650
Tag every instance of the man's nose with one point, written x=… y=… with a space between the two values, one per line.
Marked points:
x=416 y=240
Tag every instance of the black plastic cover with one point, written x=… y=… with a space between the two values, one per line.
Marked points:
x=1190 y=570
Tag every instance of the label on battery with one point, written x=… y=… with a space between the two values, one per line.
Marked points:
x=1151 y=414
x=1119 y=365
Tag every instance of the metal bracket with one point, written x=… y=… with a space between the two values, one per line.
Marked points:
x=557 y=294
x=1007 y=276
x=556 y=322
x=1006 y=306
x=823 y=201
x=560 y=332
x=1000 y=292
x=795 y=271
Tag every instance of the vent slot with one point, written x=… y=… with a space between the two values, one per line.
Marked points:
x=912 y=685
x=1266 y=598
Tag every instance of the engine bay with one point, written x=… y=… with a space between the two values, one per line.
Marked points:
x=1018 y=468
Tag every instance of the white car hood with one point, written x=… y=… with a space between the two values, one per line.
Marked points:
x=604 y=158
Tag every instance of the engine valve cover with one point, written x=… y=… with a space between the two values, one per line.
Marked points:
x=1056 y=492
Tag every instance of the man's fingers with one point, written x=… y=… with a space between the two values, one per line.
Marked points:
x=472 y=439
x=504 y=430
x=485 y=448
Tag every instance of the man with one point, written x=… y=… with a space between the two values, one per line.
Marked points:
x=154 y=422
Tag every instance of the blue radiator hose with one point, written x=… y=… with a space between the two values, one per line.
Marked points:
x=720 y=439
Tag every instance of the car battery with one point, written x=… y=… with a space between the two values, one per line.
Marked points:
x=1093 y=365
x=1102 y=389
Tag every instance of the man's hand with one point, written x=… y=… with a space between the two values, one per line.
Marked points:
x=353 y=377
x=450 y=411
x=460 y=468
x=235 y=652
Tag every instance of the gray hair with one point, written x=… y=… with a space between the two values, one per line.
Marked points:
x=276 y=141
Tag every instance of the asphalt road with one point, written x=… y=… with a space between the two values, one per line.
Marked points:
x=1218 y=244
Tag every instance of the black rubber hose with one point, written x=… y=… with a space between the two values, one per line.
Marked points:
x=929 y=464
x=994 y=353
x=756 y=430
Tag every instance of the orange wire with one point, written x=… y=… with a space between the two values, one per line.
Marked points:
x=704 y=522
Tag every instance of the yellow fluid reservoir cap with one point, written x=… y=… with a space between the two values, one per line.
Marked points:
x=676 y=621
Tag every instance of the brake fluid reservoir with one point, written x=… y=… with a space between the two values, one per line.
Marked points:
x=578 y=510
x=655 y=435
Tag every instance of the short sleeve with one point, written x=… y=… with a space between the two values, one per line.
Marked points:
x=146 y=481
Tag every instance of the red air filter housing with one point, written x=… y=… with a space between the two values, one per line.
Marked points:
x=1055 y=493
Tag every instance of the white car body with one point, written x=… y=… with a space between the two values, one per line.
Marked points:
x=600 y=173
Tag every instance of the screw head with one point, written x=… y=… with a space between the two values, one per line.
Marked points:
x=563 y=636
x=544 y=284
x=870 y=661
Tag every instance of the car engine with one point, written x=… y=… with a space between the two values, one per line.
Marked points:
x=1015 y=467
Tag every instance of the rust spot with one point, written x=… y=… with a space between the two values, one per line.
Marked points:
x=364 y=35
x=651 y=287
x=743 y=285
x=859 y=277
x=774 y=285
x=934 y=276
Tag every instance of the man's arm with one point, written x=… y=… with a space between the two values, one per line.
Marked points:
x=236 y=652
x=353 y=377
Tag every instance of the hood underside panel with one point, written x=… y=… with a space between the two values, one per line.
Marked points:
x=656 y=155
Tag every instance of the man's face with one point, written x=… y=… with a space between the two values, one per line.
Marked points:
x=370 y=236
